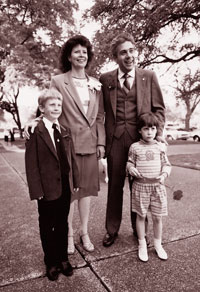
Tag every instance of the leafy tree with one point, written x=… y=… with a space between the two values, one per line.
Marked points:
x=31 y=33
x=188 y=92
x=162 y=29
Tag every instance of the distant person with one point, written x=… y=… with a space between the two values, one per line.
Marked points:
x=82 y=114
x=128 y=91
x=12 y=137
x=149 y=166
x=6 y=136
x=52 y=175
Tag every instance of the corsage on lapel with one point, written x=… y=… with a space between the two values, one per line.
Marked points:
x=94 y=85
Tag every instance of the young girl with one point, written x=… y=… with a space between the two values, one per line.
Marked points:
x=149 y=165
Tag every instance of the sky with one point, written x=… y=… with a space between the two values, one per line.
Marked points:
x=89 y=28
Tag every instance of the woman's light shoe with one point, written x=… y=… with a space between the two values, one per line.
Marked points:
x=142 y=253
x=71 y=247
x=161 y=252
x=87 y=244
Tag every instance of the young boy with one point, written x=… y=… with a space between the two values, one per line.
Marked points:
x=149 y=165
x=52 y=174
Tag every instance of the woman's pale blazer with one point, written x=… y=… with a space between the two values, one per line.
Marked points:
x=87 y=129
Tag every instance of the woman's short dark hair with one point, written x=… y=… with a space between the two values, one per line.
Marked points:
x=120 y=39
x=65 y=64
x=147 y=120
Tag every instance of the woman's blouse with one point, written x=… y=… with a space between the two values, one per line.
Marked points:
x=82 y=88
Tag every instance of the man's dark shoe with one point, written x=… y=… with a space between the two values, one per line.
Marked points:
x=66 y=268
x=52 y=273
x=109 y=239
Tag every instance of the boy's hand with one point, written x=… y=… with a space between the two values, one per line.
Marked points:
x=134 y=172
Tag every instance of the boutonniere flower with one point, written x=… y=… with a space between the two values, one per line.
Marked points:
x=94 y=85
x=111 y=84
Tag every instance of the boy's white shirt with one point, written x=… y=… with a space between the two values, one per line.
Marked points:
x=48 y=124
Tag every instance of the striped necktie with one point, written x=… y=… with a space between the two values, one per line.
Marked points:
x=126 y=81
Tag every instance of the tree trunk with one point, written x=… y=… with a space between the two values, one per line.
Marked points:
x=187 y=119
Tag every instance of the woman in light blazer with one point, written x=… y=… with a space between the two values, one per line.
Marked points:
x=81 y=113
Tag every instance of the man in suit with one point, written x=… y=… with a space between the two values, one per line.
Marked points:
x=52 y=175
x=127 y=93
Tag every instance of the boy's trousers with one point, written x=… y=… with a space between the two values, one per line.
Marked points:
x=53 y=223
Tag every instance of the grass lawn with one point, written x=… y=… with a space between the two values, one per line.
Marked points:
x=186 y=160
x=183 y=160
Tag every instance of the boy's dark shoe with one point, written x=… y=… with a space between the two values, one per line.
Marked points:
x=66 y=268
x=109 y=239
x=52 y=273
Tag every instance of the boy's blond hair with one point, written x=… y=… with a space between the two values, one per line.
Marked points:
x=49 y=94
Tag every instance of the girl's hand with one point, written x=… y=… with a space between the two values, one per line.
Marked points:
x=162 y=177
x=134 y=172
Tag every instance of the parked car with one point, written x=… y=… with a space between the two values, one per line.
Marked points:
x=195 y=134
x=182 y=134
x=170 y=134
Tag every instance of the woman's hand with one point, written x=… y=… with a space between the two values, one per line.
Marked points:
x=30 y=126
x=100 y=151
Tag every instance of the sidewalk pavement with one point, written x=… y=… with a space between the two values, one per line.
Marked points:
x=116 y=268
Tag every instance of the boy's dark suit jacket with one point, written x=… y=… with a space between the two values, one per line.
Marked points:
x=42 y=164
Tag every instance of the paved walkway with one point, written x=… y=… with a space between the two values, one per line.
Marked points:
x=106 y=269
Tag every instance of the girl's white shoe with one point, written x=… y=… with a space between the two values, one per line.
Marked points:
x=142 y=253
x=161 y=253
x=142 y=250
x=159 y=249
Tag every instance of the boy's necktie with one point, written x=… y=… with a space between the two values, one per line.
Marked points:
x=126 y=81
x=57 y=139
x=60 y=150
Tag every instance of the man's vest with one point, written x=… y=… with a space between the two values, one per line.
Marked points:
x=126 y=112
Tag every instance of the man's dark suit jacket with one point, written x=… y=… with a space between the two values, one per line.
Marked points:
x=42 y=164
x=149 y=99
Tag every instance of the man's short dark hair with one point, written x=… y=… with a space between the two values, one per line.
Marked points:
x=120 y=39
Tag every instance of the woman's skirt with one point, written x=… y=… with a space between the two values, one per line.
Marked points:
x=89 y=176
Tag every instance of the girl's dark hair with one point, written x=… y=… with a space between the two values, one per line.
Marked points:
x=65 y=64
x=147 y=120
